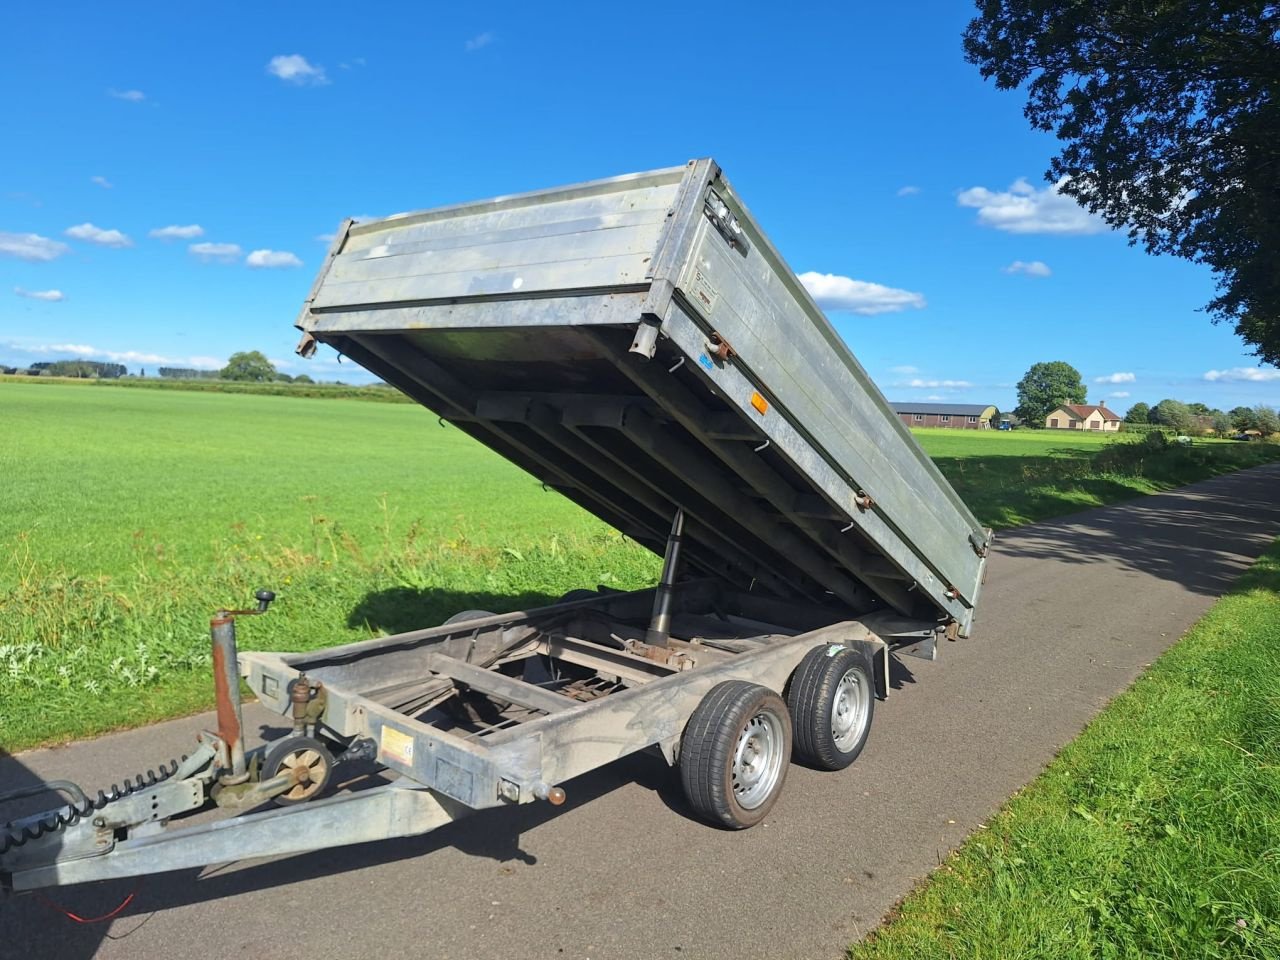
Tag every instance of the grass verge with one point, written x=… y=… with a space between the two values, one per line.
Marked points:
x=1009 y=479
x=1156 y=833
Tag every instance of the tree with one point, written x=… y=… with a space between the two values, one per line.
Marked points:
x=1044 y=387
x=1168 y=115
x=1138 y=413
x=1199 y=409
x=1172 y=414
x=302 y=378
x=1242 y=418
x=248 y=365
x=1221 y=423
x=283 y=378
x=1266 y=420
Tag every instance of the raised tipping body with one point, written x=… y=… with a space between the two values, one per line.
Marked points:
x=637 y=344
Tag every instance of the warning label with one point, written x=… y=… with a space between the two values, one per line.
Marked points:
x=395 y=745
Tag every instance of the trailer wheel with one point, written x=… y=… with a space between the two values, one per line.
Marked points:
x=832 y=696
x=734 y=754
x=305 y=752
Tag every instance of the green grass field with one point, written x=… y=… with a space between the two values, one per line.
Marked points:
x=1156 y=833
x=128 y=516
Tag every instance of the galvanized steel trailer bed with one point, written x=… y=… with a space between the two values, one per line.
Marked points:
x=637 y=344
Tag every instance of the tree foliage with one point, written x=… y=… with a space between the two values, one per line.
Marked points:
x=249 y=365
x=1170 y=118
x=1139 y=413
x=1173 y=414
x=1242 y=418
x=1045 y=386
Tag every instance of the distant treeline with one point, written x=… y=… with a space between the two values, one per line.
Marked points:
x=380 y=393
x=80 y=369
x=187 y=373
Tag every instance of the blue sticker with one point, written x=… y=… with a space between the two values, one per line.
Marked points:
x=706 y=362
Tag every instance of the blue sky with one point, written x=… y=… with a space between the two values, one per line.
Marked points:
x=909 y=192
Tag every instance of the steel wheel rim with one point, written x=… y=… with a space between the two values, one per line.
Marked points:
x=849 y=710
x=757 y=760
x=316 y=768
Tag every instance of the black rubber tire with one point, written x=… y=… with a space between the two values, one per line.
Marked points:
x=274 y=764
x=466 y=615
x=708 y=747
x=811 y=697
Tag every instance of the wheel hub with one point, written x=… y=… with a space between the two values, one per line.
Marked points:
x=757 y=760
x=849 y=710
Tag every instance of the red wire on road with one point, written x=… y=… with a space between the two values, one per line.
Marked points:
x=79 y=919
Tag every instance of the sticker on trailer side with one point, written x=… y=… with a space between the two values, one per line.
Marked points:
x=704 y=293
x=834 y=648
x=396 y=746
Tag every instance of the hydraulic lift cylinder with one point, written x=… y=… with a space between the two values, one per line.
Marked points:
x=659 y=631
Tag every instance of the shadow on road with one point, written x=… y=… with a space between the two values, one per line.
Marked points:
x=1164 y=535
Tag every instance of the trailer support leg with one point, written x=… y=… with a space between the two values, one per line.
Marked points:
x=226 y=684
x=659 y=631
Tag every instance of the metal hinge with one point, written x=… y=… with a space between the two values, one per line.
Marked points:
x=722 y=217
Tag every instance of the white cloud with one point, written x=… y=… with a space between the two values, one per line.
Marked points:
x=935 y=396
x=118 y=356
x=1118 y=394
x=906 y=370
x=908 y=191
x=1249 y=374
x=475 y=43
x=272 y=258
x=1030 y=268
x=222 y=252
x=52 y=296
x=103 y=238
x=133 y=96
x=175 y=232
x=1116 y=378
x=295 y=69
x=354 y=62
x=1024 y=209
x=935 y=384
x=325 y=237
x=31 y=246
x=834 y=292
x=103 y=182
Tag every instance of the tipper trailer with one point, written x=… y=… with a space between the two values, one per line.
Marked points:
x=638 y=345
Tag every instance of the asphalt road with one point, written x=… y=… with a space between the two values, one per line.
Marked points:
x=1074 y=610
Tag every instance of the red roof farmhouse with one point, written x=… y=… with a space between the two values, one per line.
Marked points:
x=1082 y=416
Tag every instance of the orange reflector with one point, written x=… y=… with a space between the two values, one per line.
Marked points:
x=759 y=402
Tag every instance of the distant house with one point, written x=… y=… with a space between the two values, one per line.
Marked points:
x=1082 y=416
x=970 y=416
